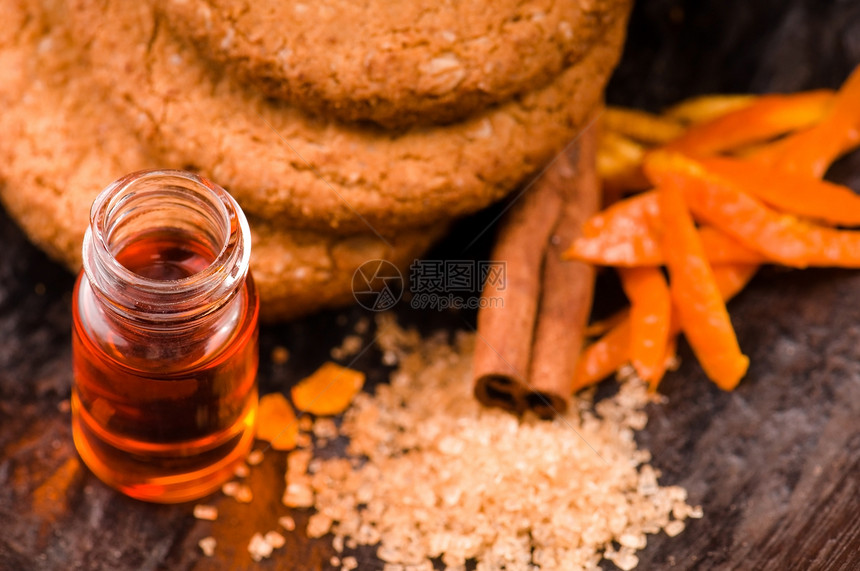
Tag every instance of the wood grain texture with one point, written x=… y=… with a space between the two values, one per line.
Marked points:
x=775 y=464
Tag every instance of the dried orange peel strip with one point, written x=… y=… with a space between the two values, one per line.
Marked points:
x=650 y=316
x=606 y=355
x=328 y=391
x=769 y=207
x=794 y=193
x=627 y=234
x=767 y=117
x=603 y=357
x=623 y=234
x=619 y=163
x=601 y=327
x=641 y=125
x=276 y=422
x=781 y=238
x=813 y=150
x=701 y=310
x=708 y=107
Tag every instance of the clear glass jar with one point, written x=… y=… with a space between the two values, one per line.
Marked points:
x=165 y=337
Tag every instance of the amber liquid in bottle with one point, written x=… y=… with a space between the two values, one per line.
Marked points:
x=164 y=415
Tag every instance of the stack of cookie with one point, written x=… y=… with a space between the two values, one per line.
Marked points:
x=348 y=131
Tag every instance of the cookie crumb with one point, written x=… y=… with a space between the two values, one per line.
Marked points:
x=349 y=563
x=241 y=471
x=255 y=457
x=209 y=513
x=207 y=546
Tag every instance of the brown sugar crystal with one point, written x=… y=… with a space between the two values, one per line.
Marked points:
x=446 y=477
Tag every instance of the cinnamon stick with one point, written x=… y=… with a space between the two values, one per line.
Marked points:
x=503 y=347
x=567 y=287
x=530 y=337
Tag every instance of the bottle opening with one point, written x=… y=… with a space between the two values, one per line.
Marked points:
x=166 y=242
x=165 y=227
x=166 y=255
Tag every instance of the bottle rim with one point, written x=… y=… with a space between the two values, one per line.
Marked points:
x=143 y=298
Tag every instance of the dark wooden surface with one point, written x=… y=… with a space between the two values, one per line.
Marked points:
x=775 y=464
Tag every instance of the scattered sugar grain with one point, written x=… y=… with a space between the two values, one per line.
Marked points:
x=446 y=477
x=306 y=423
x=325 y=428
x=207 y=546
x=362 y=326
x=303 y=440
x=64 y=405
x=337 y=543
x=259 y=548
x=241 y=471
x=350 y=345
x=625 y=558
x=208 y=513
x=297 y=462
x=244 y=494
x=674 y=527
x=287 y=522
x=349 y=563
x=389 y=358
x=298 y=496
x=334 y=561
x=319 y=524
x=230 y=489
x=254 y=458
x=275 y=539
x=280 y=355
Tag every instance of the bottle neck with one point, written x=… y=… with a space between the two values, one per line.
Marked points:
x=166 y=248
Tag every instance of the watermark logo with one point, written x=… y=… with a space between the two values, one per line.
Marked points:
x=377 y=285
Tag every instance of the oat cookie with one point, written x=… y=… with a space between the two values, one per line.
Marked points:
x=395 y=62
x=61 y=145
x=282 y=164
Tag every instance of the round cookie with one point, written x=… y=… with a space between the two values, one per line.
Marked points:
x=279 y=162
x=394 y=62
x=61 y=146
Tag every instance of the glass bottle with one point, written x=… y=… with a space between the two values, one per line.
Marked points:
x=165 y=337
